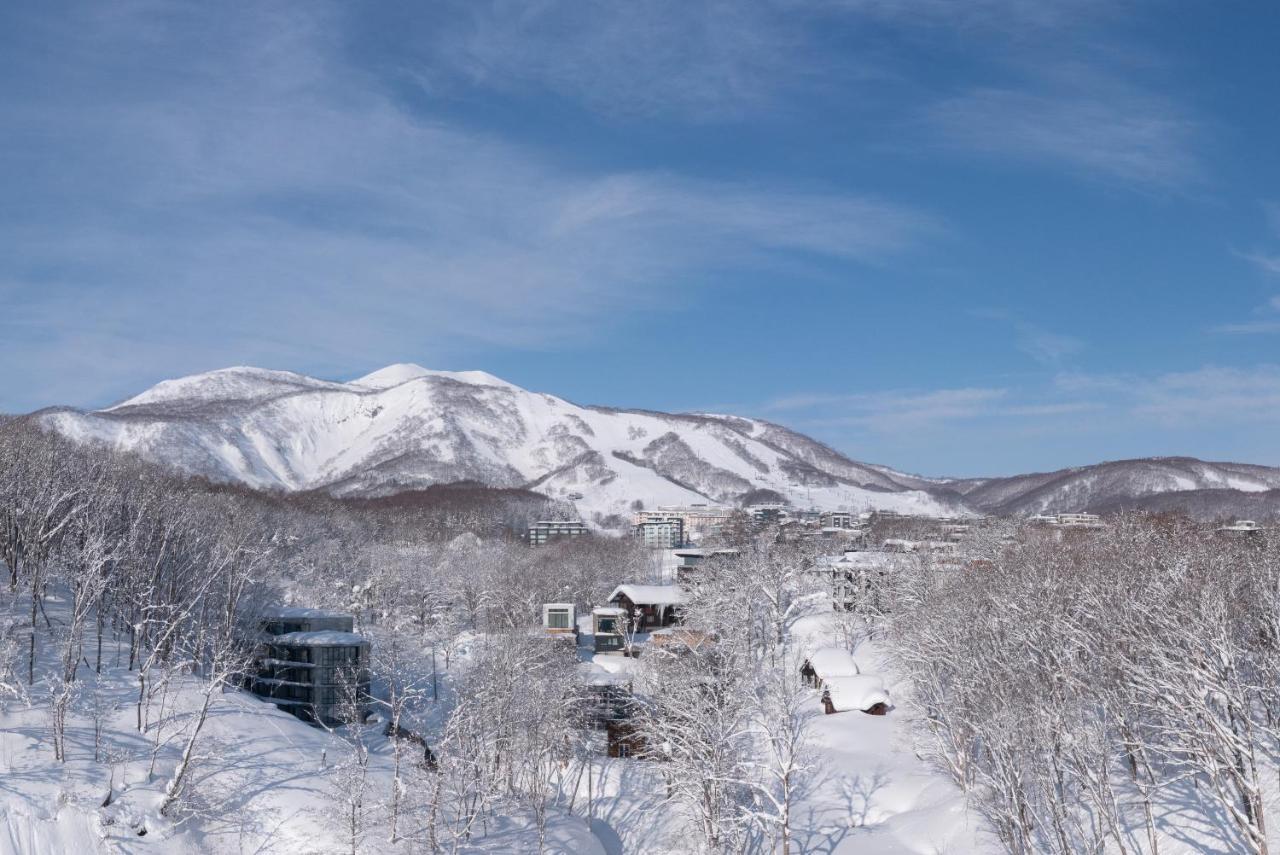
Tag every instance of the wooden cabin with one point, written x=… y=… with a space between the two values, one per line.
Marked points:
x=648 y=606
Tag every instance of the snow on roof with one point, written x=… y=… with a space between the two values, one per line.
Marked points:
x=858 y=692
x=300 y=612
x=830 y=662
x=609 y=610
x=323 y=638
x=650 y=595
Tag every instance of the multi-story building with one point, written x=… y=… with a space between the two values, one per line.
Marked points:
x=1083 y=520
x=838 y=519
x=768 y=513
x=311 y=663
x=661 y=533
x=695 y=520
x=545 y=531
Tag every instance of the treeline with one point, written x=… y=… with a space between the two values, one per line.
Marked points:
x=163 y=577
x=1091 y=691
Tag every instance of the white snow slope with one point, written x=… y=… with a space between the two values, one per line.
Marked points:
x=406 y=427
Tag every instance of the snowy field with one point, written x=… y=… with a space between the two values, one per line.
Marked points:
x=266 y=782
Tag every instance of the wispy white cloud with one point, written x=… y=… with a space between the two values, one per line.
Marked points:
x=894 y=410
x=700 y=59
x=1042 y=345
x=1264 y=261
x=1212 y=395
x=1267 y=320
x=1069 y=403
x=1249 y=328
x=1120 y=134
x=271 y=203
x=1008 y=16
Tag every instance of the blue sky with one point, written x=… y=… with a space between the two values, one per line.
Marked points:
x=960 y=238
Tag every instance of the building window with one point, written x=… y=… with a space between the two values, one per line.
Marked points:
x=558 y=618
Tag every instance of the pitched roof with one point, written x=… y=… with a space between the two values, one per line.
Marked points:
x=650 y=595
x=830 y=662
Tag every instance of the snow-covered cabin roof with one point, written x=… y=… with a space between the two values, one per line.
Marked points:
x=322 y=638
x=650 y=595
x=828 y=662
x=832 y=662
x=858 y=692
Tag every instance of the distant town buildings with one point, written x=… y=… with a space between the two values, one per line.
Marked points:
x=695 y=520
x=1079 y=520
x=838 y=519
x=767 y=513
x=545 y=531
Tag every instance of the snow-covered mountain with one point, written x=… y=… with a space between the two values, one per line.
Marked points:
x=1209 y=489
x=407 y=427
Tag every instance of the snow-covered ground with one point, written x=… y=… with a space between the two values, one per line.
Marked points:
x=265 y=782
x=870 y=791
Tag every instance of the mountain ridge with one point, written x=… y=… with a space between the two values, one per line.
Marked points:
x=405 y=427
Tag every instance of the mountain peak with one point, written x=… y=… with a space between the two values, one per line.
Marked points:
x=237 y=383
x=392 y=375
x=404 y=372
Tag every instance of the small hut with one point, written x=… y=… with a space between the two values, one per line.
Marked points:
x=825 y=663
x=863 y=692
x=560 y=620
